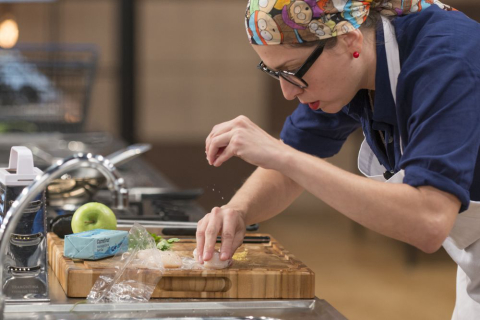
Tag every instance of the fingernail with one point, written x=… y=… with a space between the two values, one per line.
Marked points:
x=223 y=256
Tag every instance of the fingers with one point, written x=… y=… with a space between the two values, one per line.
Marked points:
x=228 y=233
x=216 y=145
x=219 y=129
x=211 y=232
x=225 y=154
x=200 y=235
x=232 y=227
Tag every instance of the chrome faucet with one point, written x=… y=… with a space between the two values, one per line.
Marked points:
x=114 y=182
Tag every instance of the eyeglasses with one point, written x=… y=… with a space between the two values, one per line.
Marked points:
x=295 y=78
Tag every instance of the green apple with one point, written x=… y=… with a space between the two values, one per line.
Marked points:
x=93 y=215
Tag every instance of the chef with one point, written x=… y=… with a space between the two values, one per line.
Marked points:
x=406 y=72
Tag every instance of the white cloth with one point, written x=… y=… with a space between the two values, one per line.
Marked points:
x=463 y=243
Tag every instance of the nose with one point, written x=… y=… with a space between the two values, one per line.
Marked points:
x=289 y=90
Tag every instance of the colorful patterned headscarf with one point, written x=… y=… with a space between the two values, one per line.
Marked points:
x=271 y=22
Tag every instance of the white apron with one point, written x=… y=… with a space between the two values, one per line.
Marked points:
x=463 y=243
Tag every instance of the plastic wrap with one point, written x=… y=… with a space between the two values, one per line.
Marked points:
x=133 y=275
x=189 y=263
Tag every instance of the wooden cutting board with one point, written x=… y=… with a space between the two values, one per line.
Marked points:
x=261 y=271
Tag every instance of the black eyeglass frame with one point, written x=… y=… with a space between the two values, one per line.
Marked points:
x=300 y=71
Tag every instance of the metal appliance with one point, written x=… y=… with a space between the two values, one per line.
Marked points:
x=25 y=265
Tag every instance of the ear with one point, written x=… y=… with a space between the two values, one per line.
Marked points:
x=352 y=41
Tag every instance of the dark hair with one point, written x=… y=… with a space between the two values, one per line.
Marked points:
x=371 y=22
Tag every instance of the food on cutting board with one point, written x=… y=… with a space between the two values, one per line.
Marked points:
x=95 y=244
x=171 y=259
x=150 y=258
x=163 y=244
x=240 y=256
x=215 y=262
x=162 y=251
x=92 y=216
x=154 y=258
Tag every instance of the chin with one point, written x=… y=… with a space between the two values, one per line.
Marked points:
x=328 y=108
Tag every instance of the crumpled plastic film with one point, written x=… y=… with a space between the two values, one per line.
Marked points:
x=133 y=275
x=189 y=263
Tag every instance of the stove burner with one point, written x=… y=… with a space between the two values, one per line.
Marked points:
x=171 y=210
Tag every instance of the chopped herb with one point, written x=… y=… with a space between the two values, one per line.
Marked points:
x=157 y=238
x=163 y=244
x=166 y=244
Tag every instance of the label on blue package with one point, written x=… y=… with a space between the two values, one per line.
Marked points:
x=95 y=244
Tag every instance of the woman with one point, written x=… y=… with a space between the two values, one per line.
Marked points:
x=410 y=81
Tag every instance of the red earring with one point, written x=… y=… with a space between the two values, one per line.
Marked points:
x=356 y=54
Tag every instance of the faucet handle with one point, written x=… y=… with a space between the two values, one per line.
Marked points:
x=120 y=199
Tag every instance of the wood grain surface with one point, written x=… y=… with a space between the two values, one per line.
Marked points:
x=262 y=271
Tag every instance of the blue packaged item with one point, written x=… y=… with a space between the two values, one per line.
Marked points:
x=95 y=244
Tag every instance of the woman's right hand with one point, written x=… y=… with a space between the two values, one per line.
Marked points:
x=226 y=222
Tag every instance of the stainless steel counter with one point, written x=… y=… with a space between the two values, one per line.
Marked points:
x=62 y=307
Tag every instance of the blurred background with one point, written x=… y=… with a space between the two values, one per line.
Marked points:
x=165 y=72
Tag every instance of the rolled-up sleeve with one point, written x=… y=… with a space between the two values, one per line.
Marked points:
x=443 y=127
x=316 y=132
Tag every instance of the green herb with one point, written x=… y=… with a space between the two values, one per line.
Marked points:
x=166 y=244
x=163 y=244
x=156 y=237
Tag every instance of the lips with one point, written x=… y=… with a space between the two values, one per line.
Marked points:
x=314 y=105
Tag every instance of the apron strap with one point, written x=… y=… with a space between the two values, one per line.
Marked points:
x=367 y=162
x=393 y=61
x=393 y=57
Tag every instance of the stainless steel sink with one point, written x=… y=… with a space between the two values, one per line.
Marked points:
x=169 y=318
x=62 y=307
x=185 y=310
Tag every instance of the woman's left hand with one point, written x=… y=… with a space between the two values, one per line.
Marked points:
x=242 y=138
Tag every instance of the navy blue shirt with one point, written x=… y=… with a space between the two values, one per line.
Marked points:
x=437 y=113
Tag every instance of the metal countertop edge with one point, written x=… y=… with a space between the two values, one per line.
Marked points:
x=154 y=306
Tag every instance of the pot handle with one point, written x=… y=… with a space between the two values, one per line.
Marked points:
x=122 y=156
